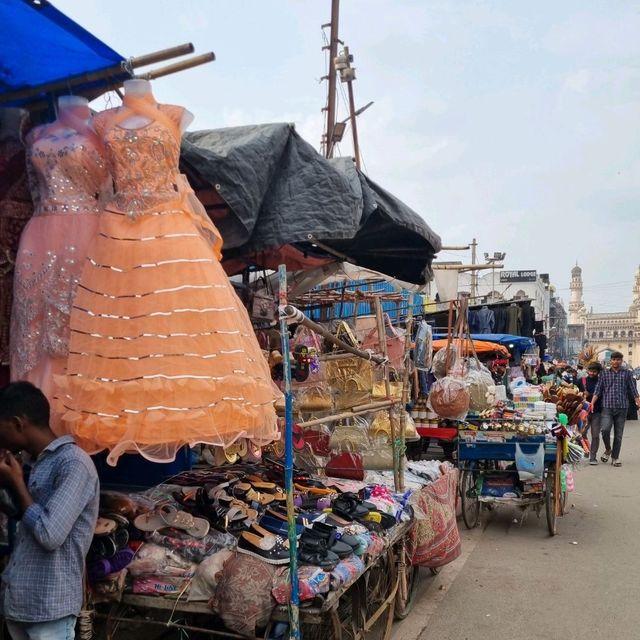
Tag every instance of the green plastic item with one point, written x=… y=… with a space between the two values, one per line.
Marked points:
x=563 y=419
x=563 y=479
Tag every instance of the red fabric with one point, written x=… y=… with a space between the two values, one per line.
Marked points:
x=435 y=540
x=441 y=433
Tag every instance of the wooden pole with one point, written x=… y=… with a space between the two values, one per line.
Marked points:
x=84 y=78
x=406 y=386
x=382 y=339
x=297 y=316
x=352 y=114
x=294 y=603
x=178 y=66
x=333 y=52
x=356 y=411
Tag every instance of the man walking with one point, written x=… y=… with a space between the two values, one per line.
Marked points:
x=615 y=387
x=588 y=385
x=41 y=594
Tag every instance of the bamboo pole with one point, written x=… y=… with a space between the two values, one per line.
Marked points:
x=406 y=385
x=294 y=604
x=102 y=74
x=350 y=414
x=296 y=315
x=178 y=66
x=382 y=340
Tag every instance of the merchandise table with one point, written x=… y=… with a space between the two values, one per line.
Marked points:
x=362 y=608
x=478 y=460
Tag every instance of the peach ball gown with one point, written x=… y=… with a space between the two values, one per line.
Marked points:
x=68 y=176
x=162 y=351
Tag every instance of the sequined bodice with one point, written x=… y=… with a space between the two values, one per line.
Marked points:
x=143 y=162
x=67 y=173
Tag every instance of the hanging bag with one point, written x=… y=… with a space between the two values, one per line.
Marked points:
x=530 y=466
x=395 y=339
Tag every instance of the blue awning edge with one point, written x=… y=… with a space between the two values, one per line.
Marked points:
x=40 y=45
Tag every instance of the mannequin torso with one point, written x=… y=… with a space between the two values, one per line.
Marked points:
x=142 y=89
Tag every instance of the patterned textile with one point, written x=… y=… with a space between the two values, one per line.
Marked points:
x=435 y=540
x=15 y=210
x=243 y=596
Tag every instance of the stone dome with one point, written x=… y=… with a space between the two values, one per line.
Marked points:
x=576 y=271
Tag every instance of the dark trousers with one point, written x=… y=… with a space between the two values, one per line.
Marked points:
x=595 y=423
x=613 y=418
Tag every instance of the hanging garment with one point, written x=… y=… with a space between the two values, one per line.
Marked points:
x=16 y=208
x=513 y=320
x=67 y=174
x=486 y=320
x=500 y=316
x=528 y=314
x=162 y=352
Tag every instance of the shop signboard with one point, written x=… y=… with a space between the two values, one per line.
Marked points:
x=518 y=276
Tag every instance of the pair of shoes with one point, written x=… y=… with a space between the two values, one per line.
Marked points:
x=615 y=462
x=593 y=461
x=262 y=544
x=605 y=457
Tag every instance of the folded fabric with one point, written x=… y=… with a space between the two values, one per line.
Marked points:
x=312 y=581
x=346 y=572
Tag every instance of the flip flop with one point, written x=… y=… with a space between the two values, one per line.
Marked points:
x=617 y=463
x=605 y=457
x=104 y=526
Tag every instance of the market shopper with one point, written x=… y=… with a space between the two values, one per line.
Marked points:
x=41 y=593
x=587 y=384
x=614 y=388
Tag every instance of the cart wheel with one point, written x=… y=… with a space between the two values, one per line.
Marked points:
x=407 y=584
x=470 y=502
x=550 y=503
x=330 y=628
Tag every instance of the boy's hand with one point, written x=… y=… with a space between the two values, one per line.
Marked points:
x=11 y=474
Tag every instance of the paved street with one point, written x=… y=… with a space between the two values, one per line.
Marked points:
x=515 y=582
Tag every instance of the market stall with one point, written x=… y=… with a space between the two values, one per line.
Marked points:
x=158 y=370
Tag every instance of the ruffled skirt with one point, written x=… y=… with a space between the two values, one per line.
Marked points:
x=162 y=352
x=49 y=263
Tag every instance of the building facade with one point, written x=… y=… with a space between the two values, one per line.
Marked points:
x=498 y=285
x=607 y=331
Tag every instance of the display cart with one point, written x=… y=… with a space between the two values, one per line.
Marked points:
x=479 y=458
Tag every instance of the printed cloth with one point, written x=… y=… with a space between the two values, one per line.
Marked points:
x=435 y=540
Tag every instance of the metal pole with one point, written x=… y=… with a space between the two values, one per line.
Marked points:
x=333 y=52
x=294 y=603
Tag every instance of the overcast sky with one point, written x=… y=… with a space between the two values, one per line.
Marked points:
x=512 y=121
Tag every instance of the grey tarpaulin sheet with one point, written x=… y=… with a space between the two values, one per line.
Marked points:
x=280 y=191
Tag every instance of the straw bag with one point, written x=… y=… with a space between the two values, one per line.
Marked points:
x=314 y=399
x=346 y=437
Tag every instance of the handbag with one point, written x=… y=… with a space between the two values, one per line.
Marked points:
x=395 y=339
x=346 y=437
x=346 y=465
x=263 y=303
x=378 y=457
x=318 y=437
x=314 y=399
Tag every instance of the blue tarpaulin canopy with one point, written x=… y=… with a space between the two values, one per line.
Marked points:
x=521 y=343
x=40 y=45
